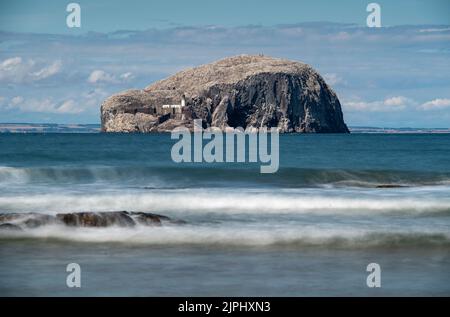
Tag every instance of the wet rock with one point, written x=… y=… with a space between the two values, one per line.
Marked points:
x=29 y=219
x=37 y=220
x=10 y=226
x=94 y=219
x=85 y=219
x=13 y=217
x=147 y=218
x=390 y=186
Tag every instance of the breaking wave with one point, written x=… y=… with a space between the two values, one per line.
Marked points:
x=231 y=202
x=236 y=236
x=201 y=175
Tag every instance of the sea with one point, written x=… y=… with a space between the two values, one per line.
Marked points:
x=338 y=203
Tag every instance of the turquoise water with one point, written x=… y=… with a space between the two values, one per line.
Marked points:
x=337 y=203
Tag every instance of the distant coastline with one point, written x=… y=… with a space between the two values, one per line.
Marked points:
x=48 y=128
x=397 y=130
x=95 y=128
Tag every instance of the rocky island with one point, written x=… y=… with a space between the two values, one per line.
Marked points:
x=243 y=91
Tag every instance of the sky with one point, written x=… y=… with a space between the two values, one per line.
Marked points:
x=397 y=75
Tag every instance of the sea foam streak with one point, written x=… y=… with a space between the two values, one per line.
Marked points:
x=234 y=201
x=213 y=235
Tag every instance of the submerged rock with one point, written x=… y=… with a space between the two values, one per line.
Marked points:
x=148 y=219
x=27 y=220
x=94 y=219
x=390 y=186
x=242 y=91
x=83 y=219
x=10 y=226
x=38 y=220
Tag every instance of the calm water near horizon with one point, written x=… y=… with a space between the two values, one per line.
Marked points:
x=337 y=203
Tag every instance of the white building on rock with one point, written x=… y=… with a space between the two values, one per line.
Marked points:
x=174 y=110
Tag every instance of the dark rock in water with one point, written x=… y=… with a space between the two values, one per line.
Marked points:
x=390 y=186
x=148 y=219
x=84 y=219
x=12 y=216
x=29 y=220
x=37 y=220
x=242 y=91
x=94 y=219
x=10 y=226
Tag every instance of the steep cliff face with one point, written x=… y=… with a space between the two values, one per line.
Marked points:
x=241 y=91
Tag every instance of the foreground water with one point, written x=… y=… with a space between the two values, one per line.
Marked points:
x=337 y=203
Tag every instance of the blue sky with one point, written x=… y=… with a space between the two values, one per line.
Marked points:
x=48 y=16
x=397 y=75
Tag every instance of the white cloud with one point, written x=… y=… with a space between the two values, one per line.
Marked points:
x=94 y=98
x=36 y=105
x=45 y=105
x=333 y=79
x=99 y=76
x=69 y=106
x=341 y=36
x=435 y=104
x=397 y=103
x=10 y=63
x=127 y=76
x=16 y=100
x=83 y=102
x=48 y=71
x=17 y=70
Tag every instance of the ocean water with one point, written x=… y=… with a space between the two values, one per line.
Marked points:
x=337 y=203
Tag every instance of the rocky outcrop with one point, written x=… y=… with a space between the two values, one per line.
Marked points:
x=241 y=91
x=19 y=221
x=92 y=219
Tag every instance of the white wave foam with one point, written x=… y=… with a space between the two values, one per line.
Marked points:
x=89 y=174
x=226 y=201
x=237 y=236
x=13 y=175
